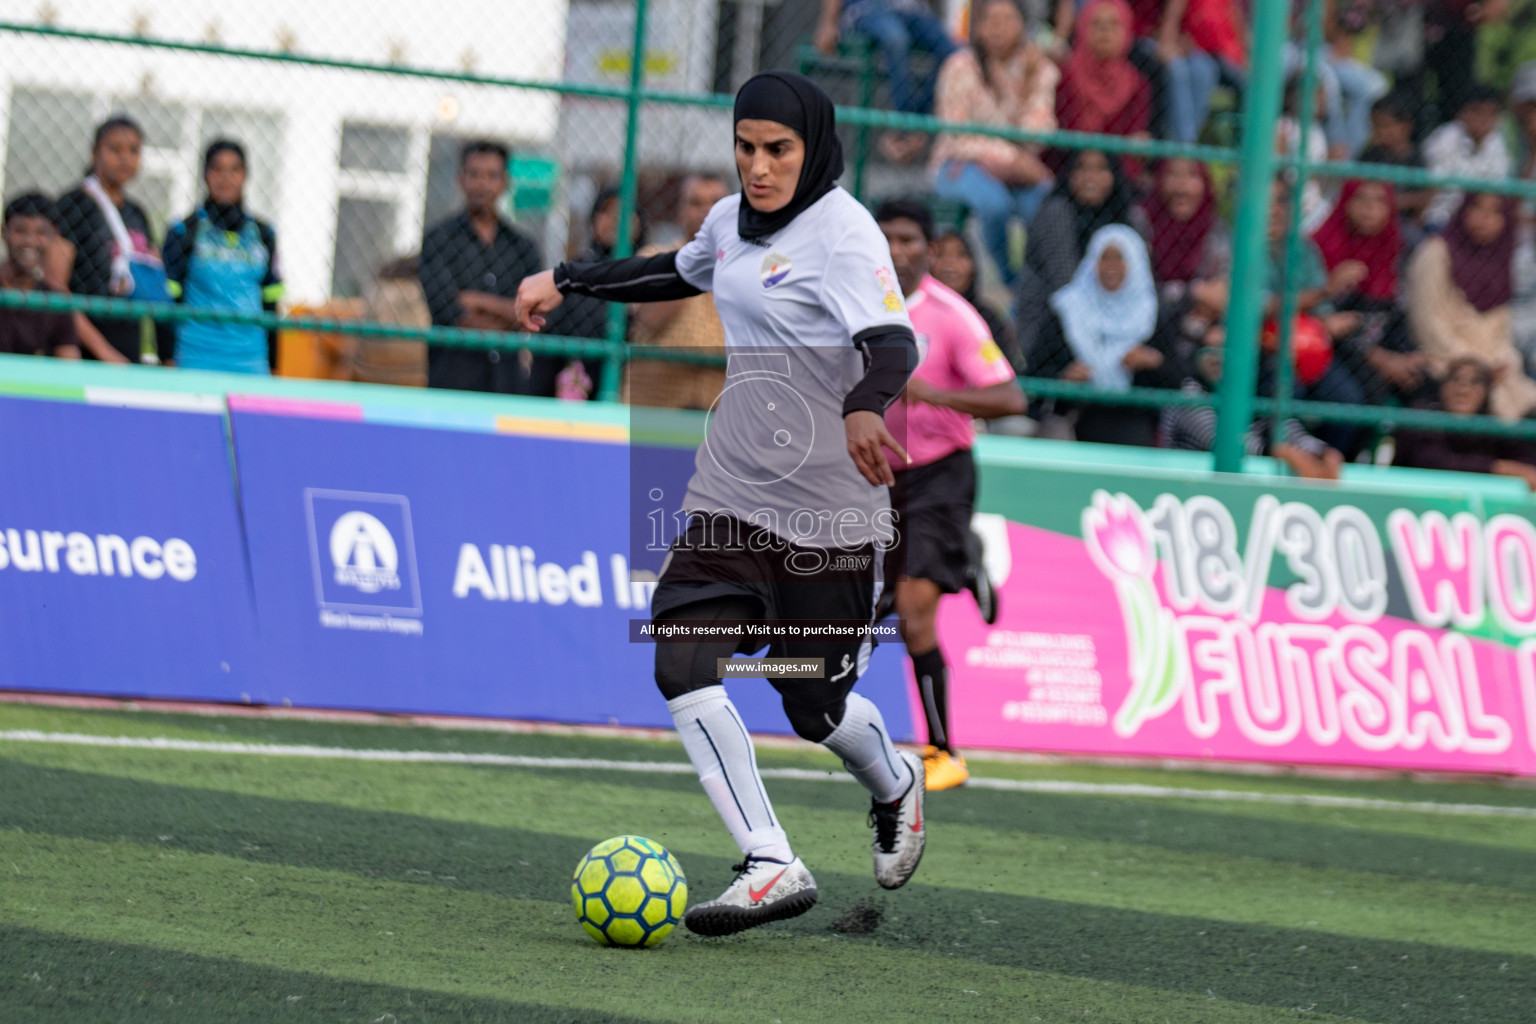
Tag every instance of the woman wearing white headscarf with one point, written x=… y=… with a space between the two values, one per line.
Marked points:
x=1106 y=315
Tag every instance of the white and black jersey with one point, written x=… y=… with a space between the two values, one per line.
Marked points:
x=815 y=327
x=791 y=303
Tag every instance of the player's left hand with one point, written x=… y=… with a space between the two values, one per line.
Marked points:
x=867 y=441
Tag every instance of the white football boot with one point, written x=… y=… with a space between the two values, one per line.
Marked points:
x=764 y=891
x=898 y=826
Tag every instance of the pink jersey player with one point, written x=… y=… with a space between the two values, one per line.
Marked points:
x=957 y=352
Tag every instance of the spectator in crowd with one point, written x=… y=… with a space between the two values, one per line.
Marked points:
x=220 y=257
x=1460 y=283
x=471 y=265
x=1205 y=48
x=1099 y=329
x=1314 y=203
x=1351 y=86
x=680 y=323
x=1392 y=127
x=1184 y=49
x=954 y=265
x=1522 y=102
x=897 y=27
x=30 y=231
x=1466 y=390
x=1191 y=251
x=1312 y=285
x=1471 y=146
x=1397 y=45
x=103 y=235
x=1090 y=194
x=1002 y=79
x=1101 y=91
x=582 y=316
x=1189 y=240
x=1191 y=324
x=1194 y=428
x=1361 y=244
x=395 y=297
x=1450 y=46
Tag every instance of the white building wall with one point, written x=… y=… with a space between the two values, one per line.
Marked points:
x=524 y=39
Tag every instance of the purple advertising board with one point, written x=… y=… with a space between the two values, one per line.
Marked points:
x=417 y=569
x=122 y=569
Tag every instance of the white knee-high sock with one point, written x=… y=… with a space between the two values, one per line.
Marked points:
x=861 y=741
x=722 y=754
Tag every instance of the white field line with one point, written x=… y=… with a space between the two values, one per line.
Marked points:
x=683 y=768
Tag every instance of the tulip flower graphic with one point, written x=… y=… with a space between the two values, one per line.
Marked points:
x=1119 y=542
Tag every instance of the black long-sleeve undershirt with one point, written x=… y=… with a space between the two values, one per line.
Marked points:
x=890 y=356
x=632 y=279
x=890 y=352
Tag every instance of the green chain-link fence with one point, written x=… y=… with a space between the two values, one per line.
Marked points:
x=353 y=120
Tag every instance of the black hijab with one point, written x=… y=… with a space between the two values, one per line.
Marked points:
x=1115 y=209
x=796 y=102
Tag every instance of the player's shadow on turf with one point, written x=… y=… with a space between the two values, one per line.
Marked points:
x=1364 y=978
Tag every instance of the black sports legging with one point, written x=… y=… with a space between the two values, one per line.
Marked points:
x=814 y=706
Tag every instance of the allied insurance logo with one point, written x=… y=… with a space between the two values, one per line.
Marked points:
x=363 y=552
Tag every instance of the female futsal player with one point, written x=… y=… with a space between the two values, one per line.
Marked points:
x=788 y=504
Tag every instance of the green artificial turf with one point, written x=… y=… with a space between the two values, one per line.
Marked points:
x=162 y=885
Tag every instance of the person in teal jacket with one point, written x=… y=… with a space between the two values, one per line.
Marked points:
x=220 y=257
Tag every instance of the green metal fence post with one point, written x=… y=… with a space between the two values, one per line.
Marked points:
x=618 y=318
x=1256 y=169
x=1285 y=377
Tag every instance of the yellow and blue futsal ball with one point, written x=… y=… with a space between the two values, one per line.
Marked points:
x=629 y=891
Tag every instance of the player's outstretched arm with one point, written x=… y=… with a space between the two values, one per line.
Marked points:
x=632 y=279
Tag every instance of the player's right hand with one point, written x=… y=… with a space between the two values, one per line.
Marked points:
x=536 y=297
x=867 y=441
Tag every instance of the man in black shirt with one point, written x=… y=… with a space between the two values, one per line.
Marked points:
x=30 y=231
x=471 y=265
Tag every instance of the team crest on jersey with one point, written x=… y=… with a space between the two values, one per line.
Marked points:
x=892 y=300
x=775 y=268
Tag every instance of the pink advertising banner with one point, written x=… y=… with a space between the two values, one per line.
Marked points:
x=1401 y=639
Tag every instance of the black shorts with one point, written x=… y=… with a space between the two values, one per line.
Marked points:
x=789 y=582
x=934 y=504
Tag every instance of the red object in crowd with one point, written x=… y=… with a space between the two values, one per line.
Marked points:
x=1311 y=348
x=1101 y=87
x=1104 y=96
x=1213 y=27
